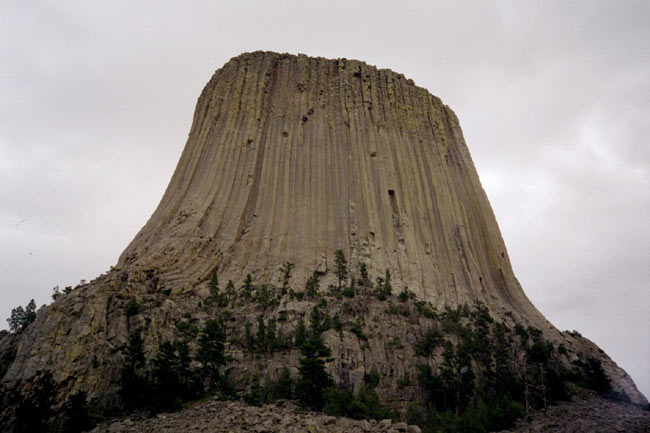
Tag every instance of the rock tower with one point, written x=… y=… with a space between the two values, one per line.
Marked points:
x=290 y=158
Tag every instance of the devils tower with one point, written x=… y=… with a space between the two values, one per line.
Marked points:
x=289 y=159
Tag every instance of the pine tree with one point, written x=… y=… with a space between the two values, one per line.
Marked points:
x=388 y=288
x=341 y=267
x=364 y=281
x=34 y=412
x=271 y=336
x=312 y=286
x=316 y=322
x=255 y=395
x=301 y=333
x=184 y=360
x=247 y=288
x=211 y=351
x=214 y=285
x=21 y=317
x=286 y=275
x=313 y=378
x=229 y=294
x=248 y=337
x=134 y=383
x=284 y=386
x=76 y=413
x=165 y=377
x=261 y=335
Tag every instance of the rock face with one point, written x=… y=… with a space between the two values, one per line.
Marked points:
x=289 y=159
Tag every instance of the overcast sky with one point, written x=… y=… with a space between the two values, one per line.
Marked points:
x=96 y=101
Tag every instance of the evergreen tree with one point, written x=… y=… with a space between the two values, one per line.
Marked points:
x=261 y=335
x=21 y=317
x=301 y=333
x=184 y=372
x=271 y=336
x=17 y=318
x=229 y=294
x=316 y=323
x=247 y=288
x=383 y=288
x=286 y=275
x=30 y=312
x=134 y=383
x=166 y=380
x=211 y=350
x=248 y=337
x=76 y=414
x=312 y=286
x=341 y=266
x=364 y=281
x=313 y=380
x=255 y=396
x=283 y=388
x=388 y=287
x=34 y=412
x=350 y=291
x=214 y=285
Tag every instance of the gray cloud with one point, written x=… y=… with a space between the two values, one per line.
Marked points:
x=553 y=99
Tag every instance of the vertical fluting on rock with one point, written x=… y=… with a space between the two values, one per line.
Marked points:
x=290 y=158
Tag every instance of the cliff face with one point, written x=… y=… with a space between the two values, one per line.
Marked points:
x=289 y=159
